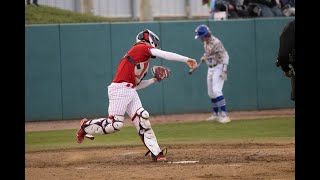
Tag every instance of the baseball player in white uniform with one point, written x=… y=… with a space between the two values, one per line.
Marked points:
x=123 y=96
x=217 y=60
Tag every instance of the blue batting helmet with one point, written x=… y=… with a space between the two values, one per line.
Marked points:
x=201 y=30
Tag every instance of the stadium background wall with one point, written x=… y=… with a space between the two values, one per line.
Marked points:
x=69 y=66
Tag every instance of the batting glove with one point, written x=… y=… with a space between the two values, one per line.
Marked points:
x=223 y=75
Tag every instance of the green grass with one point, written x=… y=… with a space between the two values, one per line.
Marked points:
x=50 y=15
x=177 y=133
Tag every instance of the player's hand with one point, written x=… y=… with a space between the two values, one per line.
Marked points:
x=192 y=63
x=224 y=75
x=202 y=59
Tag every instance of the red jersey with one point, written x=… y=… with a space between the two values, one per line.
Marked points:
x=134 y=65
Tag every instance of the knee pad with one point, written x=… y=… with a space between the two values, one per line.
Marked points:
x=113 y=124
x=143 y=118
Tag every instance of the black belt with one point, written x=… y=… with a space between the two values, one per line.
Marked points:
x=211 y=66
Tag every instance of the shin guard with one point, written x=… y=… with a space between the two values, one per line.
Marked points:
x=146 y=133
x=108 y=125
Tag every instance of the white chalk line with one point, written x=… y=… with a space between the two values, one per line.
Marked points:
x=183 y=162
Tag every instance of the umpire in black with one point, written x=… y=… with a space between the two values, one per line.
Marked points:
x=286 y=54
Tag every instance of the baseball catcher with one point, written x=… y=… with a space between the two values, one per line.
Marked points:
x=123 y=95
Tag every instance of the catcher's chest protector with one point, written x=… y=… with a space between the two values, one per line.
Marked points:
x=140 y=71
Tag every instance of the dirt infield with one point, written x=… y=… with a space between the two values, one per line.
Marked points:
x=241 y=160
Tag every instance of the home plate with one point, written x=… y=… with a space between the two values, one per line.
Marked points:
x=183 y=162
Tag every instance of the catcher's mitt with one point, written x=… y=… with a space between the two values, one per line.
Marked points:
x=160 y=72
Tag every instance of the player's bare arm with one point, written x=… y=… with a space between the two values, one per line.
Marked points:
x=192 y=63
x=146 y=83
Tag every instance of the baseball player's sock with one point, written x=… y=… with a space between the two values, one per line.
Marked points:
x=221 y=102
x=215 y=111
x=215 y=107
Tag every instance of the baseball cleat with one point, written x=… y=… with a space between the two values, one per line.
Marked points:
x=213 y=118
x=81 y=133
x=161 y=156
x=225 y=119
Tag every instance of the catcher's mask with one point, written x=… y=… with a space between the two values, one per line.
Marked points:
x=150 y=37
